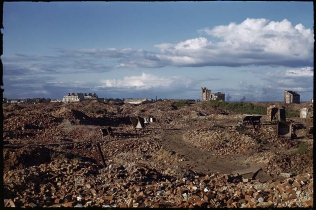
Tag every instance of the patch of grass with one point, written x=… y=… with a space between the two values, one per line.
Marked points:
x=238 y=107
x=179 y=104
x=217 y=125
x=292 y=113
x=303 y=148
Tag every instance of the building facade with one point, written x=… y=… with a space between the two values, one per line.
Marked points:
x=90 y=96
x=72 y=97
x=218 y=96
x=206 y=94
x=291 y=97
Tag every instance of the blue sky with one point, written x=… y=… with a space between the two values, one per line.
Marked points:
x=252 y=50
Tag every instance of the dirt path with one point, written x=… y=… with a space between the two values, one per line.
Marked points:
x=197 y=159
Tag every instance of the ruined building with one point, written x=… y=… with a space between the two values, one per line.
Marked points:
x=206 y=93
x=90 y=96
x=72 y=97
x=291 y=97
x=276 y=114
x=207 y=96
x=218 y=96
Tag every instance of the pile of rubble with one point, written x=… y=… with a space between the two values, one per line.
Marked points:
x=219 y=142
x=72 y=183
x=52 y=159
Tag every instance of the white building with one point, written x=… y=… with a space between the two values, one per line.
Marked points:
x=71 y=97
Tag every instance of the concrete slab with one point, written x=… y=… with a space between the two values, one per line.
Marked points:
x=247 y=170
x=249 y=173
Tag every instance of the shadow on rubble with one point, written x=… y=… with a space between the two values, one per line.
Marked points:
x=105 y=121
x=42 y=155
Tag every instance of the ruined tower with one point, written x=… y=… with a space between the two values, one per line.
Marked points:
x=205 y=94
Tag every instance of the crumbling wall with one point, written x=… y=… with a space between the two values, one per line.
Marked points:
x=206 y=94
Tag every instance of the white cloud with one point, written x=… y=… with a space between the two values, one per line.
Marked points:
x=251 y=42
x=276 y=81
x=145 y=82
x=191 y=44
x=303 y=72
x=254 y=41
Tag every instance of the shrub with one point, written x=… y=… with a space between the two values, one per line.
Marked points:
x=179 y=104
x=304 y=149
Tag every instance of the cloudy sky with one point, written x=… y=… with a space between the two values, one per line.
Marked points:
x=249 y=50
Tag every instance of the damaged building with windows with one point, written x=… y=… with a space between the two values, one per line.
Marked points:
x=208 y=96
x=72 y=97
x=291 y=97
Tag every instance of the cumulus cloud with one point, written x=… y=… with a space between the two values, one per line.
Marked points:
x=36 y=86
x=22 y=64
x=303 y=72
x=251 y=42
x=300 y=80
x=145 y=81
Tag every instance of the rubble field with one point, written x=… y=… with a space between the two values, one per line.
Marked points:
x=193 y=155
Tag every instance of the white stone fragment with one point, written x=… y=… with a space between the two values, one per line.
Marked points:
x=79 y=205
x=106 y=206
x=298 y=193
x=79 y=198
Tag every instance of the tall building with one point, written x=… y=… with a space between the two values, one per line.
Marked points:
x=291 y=97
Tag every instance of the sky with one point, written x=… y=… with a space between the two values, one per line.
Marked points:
x=250 y=51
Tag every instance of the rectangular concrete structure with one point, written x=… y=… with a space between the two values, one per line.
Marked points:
x=281 y=115
x=303 y=113
x=272 y=113
x=284 y=129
